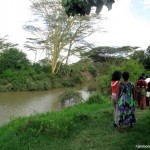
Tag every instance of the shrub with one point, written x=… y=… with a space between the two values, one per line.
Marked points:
x=19 y=85
x=71 y=96
x=104 y=83
x=3 y=88
x=93 y=71
x=68 y=83
x=95 y=98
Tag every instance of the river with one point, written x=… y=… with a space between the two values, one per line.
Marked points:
x=15 y=104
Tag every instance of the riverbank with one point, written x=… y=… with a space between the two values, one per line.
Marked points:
x=14 y=104
x=85 y=126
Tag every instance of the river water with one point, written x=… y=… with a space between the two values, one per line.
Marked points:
x=15 y=104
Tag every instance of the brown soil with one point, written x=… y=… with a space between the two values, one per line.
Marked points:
x=88 y=75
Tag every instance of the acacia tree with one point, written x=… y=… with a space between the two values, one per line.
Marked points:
x=108 y=54
x=58 y=36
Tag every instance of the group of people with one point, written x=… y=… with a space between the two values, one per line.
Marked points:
x=125 y=94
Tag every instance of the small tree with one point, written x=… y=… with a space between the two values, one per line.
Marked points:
x=13 y=59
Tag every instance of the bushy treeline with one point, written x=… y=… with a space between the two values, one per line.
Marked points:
x=134 y=68
x=17 y=73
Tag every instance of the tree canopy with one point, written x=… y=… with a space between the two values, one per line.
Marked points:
x=107 y=54
x=83 y=7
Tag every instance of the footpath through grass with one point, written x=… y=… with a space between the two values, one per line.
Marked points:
x=82 y=127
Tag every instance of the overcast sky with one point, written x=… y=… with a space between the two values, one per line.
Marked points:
x=128 y=23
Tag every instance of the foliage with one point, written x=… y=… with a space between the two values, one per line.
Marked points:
x=71 y=96
x=142 y=57
x=110 y=54
x=13 y=59
x=42 y=68
x=95 y=98
x=86 y=65
x=18 y=74
x=138 y=56
x=147 y=58
x=104 y=83
x=83 y=7
x=71 y=75
x=134 y=68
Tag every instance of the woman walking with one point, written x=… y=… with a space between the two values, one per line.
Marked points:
x=126 y=102
x=114 y=94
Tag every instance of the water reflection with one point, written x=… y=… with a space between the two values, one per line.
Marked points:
x=26 y=103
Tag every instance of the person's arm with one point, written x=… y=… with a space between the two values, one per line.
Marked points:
x=146 y=85
x=118 y=91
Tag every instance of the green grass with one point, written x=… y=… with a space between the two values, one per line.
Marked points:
x=82 y=127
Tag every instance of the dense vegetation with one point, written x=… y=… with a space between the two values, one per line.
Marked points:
x=17 y=73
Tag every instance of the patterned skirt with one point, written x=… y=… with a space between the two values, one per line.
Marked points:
x=126 y=110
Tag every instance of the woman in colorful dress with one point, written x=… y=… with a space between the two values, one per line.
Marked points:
x=126 y=102
x=114 y=94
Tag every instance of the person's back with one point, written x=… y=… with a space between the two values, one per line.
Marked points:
x=126 y=102
x=126 y=89
x=114 y=86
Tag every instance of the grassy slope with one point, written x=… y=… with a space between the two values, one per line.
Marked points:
x=83 y=127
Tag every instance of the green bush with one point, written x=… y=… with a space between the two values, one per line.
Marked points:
x=3 y=88
x=93 y=71
x=70 y=95
x=95 y=98
x=4 y=81
x=68 y=83
x=32 y=86
x=9 y=74
x=133 y=67
x=19 y=85
x=104 y=83
x=47 y=84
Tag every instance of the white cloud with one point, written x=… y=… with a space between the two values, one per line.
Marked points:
x=14 y=14
x=146 y=3
x=123 y=28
